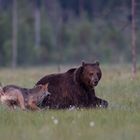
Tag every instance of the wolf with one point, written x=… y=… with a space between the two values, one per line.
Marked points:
x=25 y=98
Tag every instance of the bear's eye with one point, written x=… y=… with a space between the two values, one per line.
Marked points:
x=91 y=74
x=98 y=74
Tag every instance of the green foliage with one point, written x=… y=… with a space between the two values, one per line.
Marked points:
x=99 y=30
x=5 y=40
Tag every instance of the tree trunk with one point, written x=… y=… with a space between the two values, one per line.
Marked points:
x=14 y=35
x=81 y=7
x=133 y=40
x=37 y=23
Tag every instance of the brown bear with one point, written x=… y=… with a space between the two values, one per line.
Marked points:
x=74 y=88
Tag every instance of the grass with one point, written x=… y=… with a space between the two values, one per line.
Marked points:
x=121 y=121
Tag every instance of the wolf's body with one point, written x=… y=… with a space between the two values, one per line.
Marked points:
x=13 y=95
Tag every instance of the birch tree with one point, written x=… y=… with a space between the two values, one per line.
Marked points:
x=14 y=34
x=37 y=22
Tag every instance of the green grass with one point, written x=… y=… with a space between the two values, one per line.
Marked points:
x=121 y=121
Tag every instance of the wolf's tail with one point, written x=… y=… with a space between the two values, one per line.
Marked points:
x=1 y=90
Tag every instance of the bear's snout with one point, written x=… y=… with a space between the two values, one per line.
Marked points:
x=94 y=81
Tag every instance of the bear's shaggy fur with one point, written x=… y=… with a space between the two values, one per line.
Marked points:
x=74 y=88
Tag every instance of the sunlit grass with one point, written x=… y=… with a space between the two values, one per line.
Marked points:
x=121 y=121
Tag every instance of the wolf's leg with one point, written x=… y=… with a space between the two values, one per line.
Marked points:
x=21 y=101
x=32 y=105
x=8 y=104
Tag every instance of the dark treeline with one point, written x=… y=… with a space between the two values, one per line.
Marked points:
x=67 y=31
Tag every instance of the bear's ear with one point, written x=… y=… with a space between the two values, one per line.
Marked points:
x=46 y=86
x=97 y=63
x=83 y=63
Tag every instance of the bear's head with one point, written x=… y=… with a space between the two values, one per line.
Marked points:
x=90 y=74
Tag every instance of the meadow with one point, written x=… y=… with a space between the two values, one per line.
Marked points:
x=121 y=121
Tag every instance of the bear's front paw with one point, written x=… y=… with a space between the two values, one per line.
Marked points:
x=104 y=104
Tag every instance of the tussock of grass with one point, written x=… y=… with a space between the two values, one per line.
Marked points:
x=121 y=121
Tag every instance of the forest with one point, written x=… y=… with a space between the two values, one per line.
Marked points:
x=48 y=37
x=40 y=32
